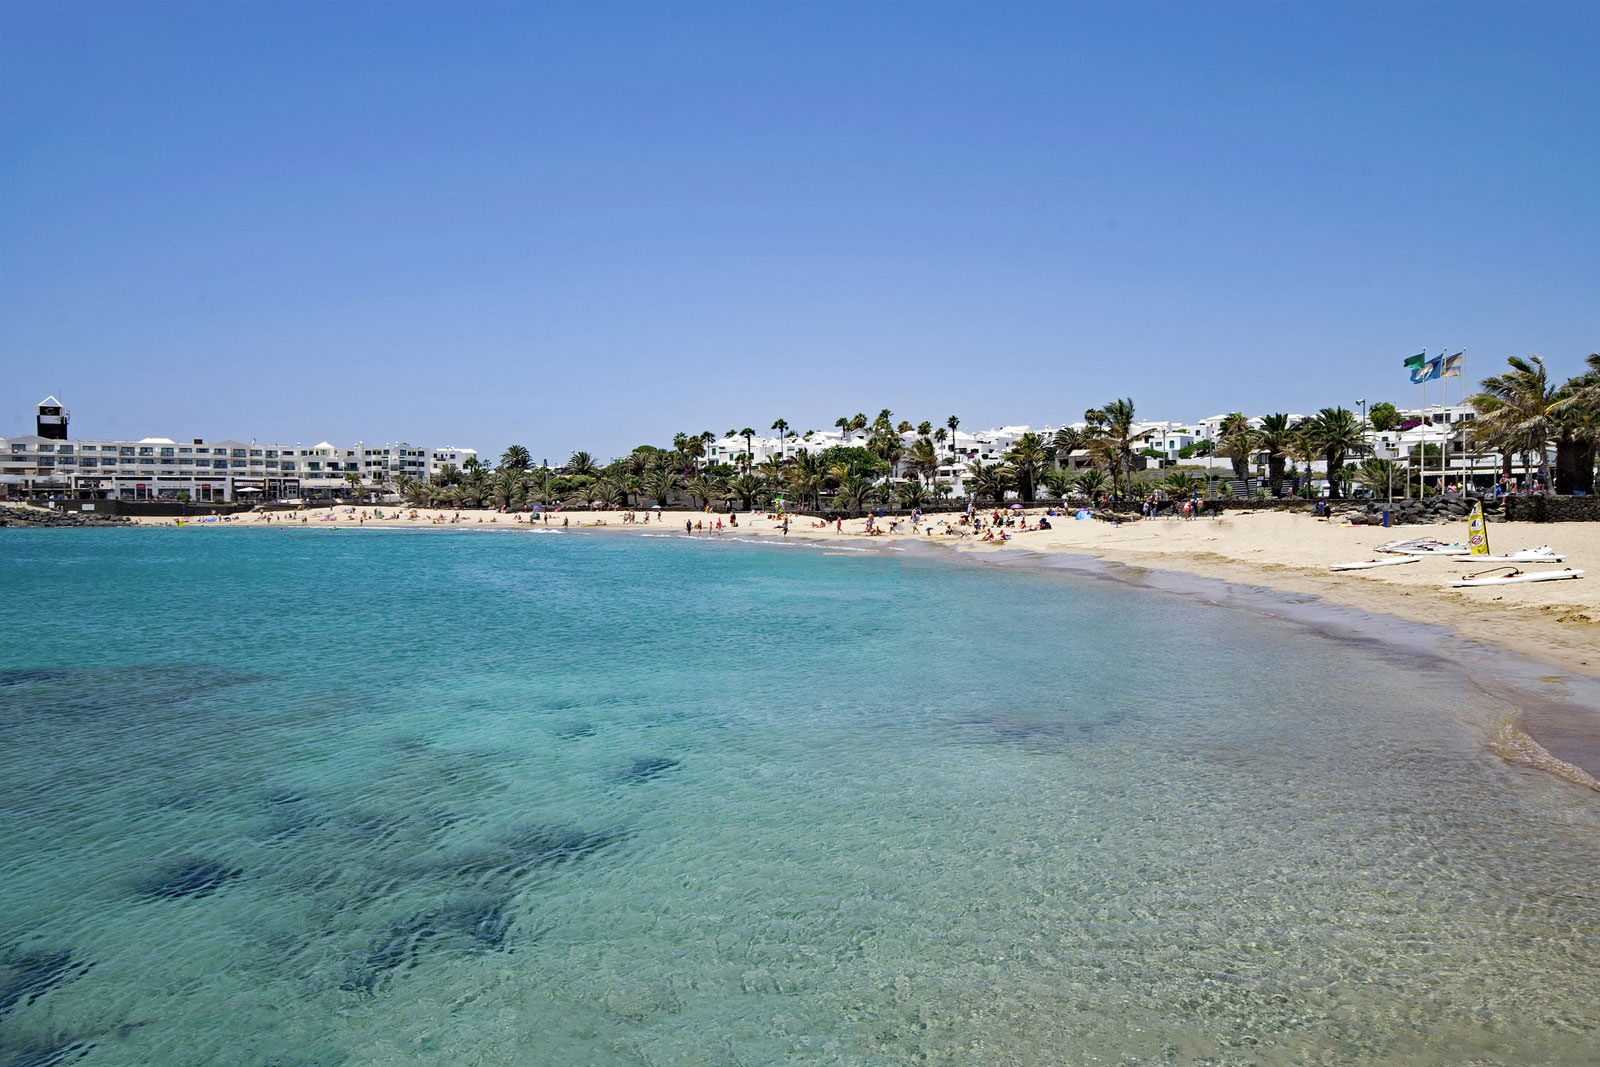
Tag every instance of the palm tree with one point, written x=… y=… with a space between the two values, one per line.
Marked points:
x=1578 y=419
x=771 y=470
x=1338 y=432
x=854 y=493
x=353 y=480
x=951 y=423
x=582 y=463
x=1026 y=458
x=701 y=489
x=1237 y=441
x=910 y=494
x=1091 y=483
x=1059 y=483
x=1303 y=446
x=514 y=458
x=1111 y=436
x=1275 y=438
x=805 y=477
x=747 y=487
x=782 y=426
x=923 y=458
x=1515 y=411
x=660 y=483
x=1179 y=484
x=1375 y=474
x=1065 y=442
x=506 y=487
x=990 y=480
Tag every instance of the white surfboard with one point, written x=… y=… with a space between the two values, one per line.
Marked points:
x=1531 y=555
x=1367 y=564
x=1516 y=577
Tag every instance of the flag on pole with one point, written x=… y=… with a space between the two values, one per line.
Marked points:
x=1452 y=365
x=1427 y=371
x=1413 y=362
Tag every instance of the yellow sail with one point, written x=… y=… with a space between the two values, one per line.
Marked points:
x=1477 y=533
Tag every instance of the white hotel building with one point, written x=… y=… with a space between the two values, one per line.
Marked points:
x=46 y=464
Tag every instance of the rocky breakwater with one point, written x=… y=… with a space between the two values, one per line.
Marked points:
x=12 y=515
x=1451 y=507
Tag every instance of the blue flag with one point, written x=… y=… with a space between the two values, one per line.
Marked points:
x=1427 y=371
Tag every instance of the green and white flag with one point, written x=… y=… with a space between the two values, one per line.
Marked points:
x=1413 y=362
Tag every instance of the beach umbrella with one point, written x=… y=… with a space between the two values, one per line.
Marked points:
x=1016 y=507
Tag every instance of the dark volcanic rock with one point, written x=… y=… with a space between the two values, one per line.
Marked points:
x=29 y=516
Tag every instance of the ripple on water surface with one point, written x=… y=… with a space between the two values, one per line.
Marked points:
x=445 y=798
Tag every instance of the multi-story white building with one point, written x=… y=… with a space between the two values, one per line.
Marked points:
x=154 y=468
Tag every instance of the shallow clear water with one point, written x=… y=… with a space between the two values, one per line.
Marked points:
x=322 y=797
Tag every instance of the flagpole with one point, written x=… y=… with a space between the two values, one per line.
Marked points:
x=1422 y=450
x=1444 y=414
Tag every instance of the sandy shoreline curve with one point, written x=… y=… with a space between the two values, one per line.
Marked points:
x=1554 y=623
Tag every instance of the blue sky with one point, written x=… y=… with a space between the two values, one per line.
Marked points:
x=593 y=225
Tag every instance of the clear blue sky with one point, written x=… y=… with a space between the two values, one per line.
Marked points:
x=592 y=225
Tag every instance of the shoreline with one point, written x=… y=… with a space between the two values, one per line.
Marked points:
x=1556 y=624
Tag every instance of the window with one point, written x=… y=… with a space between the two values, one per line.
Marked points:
x=272 y=453
x=126 y=450
x=253 y=452
x=146 y=450
x=288 y=466
x=43 y=447
x=185 y=451
x=88 y=461
x=66 y=450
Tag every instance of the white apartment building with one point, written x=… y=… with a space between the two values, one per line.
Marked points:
x=160 y=468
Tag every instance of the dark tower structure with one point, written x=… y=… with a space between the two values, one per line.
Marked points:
x=52 y=424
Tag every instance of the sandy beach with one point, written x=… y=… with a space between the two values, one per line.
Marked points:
x=1556 y=623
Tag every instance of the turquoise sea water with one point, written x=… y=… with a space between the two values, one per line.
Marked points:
x=354 y=797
